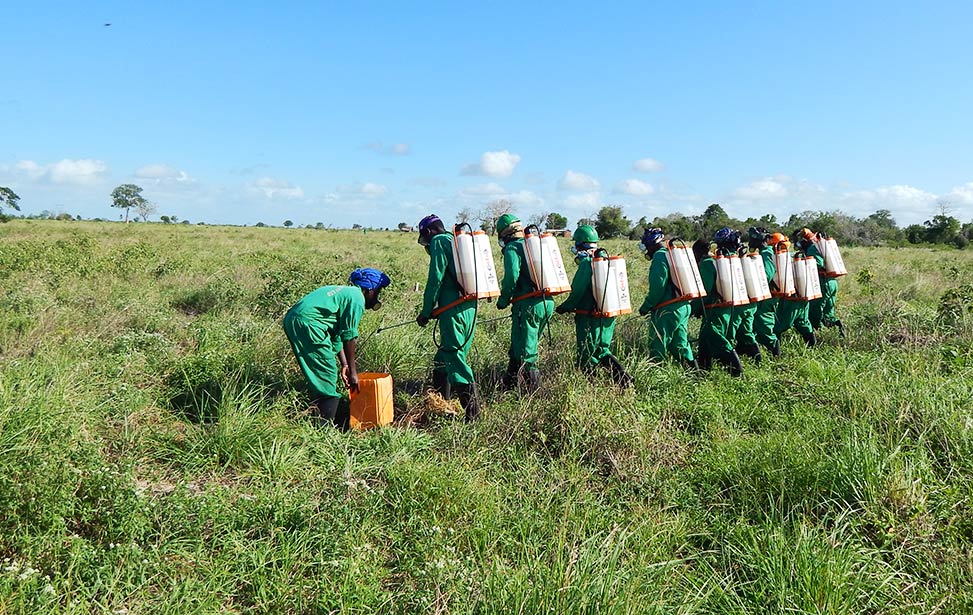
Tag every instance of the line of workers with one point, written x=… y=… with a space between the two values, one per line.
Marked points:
x=323 y=326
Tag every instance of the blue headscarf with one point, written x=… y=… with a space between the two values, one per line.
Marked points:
x=369 y=278
x=427 y=221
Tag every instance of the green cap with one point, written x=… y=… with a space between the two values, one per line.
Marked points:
x=586 y=234
x=504 y=221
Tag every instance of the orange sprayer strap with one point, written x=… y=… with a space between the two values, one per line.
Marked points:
x=439 y=311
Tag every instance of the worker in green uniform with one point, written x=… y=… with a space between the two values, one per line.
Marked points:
x=765 y=312
x=717 y=334
x=531 y=311
x=821 y=312
x=746 y=337
x=668 y=312
x=455 y=310
x=593 y=330
x=323 y=328
x=793 y=311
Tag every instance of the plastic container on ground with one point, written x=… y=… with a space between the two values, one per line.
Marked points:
x=475 y=268
x=372 y=405
x=545 y=264
x=684 y=271
x=609 y=282
x=758 y=288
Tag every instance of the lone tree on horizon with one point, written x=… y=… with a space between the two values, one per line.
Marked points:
x=8 y=198
x=128 y=196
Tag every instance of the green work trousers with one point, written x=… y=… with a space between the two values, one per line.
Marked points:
x=317 y=355
x=744 y=315
x=529 y=318
x=821 y=311
x=764 y=322
x=455 y=338
x=793 y=314
x=717 y=335
x=668 y=332
x=594 y=336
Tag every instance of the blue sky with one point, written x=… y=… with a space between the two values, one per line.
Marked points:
x=377 y=113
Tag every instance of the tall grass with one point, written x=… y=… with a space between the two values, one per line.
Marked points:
x=155 y=455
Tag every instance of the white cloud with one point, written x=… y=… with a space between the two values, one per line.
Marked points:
x=78 y=172
x=488 y=189
x=493 y=164
x=578 y=182
x=161 y=173
x=525 y=198
x=763 y=189
x=368 y=190
x=588 y=200
x=275 y=189
x=961 y=195
x=648 y=165
x=635 y=187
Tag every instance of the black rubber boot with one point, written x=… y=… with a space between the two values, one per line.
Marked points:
x=532 y=380
x=691 y=366
x=704 y=360
x=841 y=328
x=510 y=379
x=810 y=339
x=440 y=383
x=732 y=362
x=619 y=376
x=750 y=351
x=323 y=410
x=775 y=349
x=468 y=399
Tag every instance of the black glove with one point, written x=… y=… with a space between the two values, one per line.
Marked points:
x=560 y=309
x=421 y=320
x=643 y=312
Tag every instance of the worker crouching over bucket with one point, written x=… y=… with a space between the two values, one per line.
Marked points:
x=323 y=330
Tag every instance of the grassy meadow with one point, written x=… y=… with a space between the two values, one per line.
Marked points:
x=156 y=457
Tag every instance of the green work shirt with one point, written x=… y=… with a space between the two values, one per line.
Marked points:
x=582 y=297
x=336 y=310
x=661 y=286
x=442 y=286
x=516 y=275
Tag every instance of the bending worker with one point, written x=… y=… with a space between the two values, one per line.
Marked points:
x=455 y=310
x=531 y=311
x=323 y=329
x=669 y=313
x=594 y=331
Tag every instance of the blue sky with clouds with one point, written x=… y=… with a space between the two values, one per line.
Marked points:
x=381 y=112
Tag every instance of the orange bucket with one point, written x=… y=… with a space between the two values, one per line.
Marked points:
x=372 y=405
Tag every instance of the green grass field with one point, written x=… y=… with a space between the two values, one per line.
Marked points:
x=156 y=457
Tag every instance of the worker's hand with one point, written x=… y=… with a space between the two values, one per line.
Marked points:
x=643 y=312
x=353 y=384
x=560 y=309
x=502 y=303
x=421 y=320
x=344 y=374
